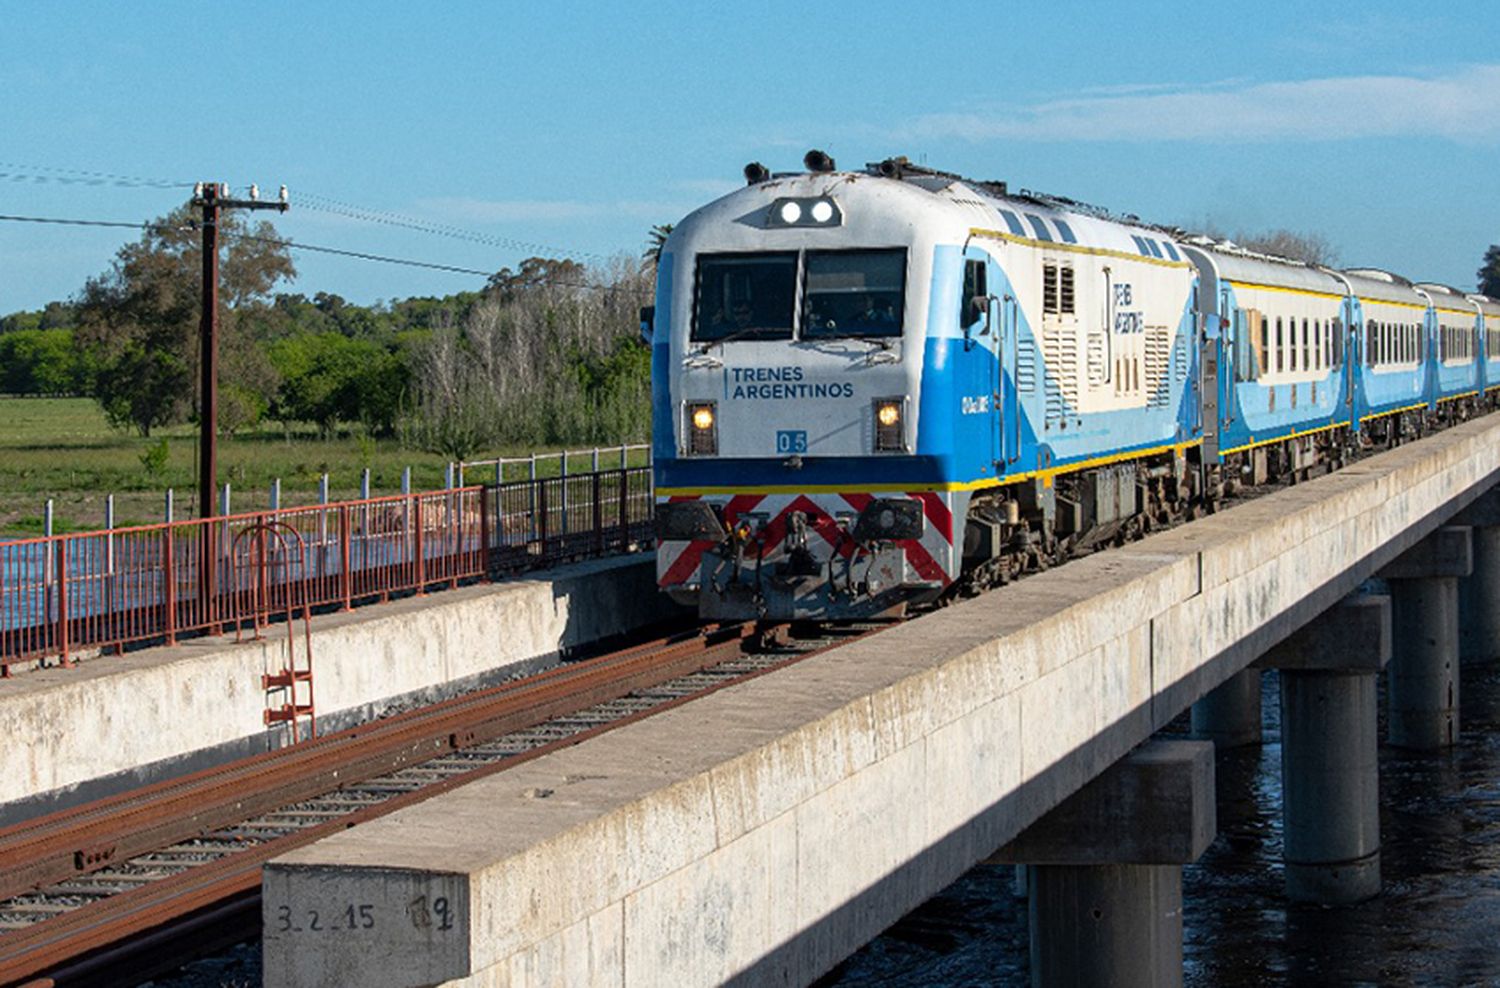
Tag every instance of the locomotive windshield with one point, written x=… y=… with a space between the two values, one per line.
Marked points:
x=845 y=293
x=746 y=296
x=853 y=293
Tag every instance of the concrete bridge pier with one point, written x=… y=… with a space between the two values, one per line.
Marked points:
x=1229 y=716
x=1479 y=594
x=1106 y=869
x=1422 y=685
x=1330 y=775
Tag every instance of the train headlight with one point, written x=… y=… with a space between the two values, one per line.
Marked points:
x=703 y=429
x=890 y=429
x=805 y=211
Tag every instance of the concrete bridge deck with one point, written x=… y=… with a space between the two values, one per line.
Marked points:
x=118 y=721
x=763 y=833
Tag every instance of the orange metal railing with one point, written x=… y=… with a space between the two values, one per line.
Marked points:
x=155 y=583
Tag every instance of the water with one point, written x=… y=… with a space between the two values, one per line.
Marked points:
x=1436 y=921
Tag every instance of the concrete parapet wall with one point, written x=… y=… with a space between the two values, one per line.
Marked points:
x=77 y=733
x=763 y=833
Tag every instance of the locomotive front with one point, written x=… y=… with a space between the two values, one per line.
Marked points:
x=787 y=351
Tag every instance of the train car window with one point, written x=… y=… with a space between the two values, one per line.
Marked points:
x=1066 y=231
x=1140 y=245
x=1338 y=343
x=1306 y=346
x=1291 y=341
x=1259 y=346
x=1151 y=246
x=1280 y=347
x=745 y=297
x=1039 y=226
x=862 y=292
x=1166 y=245
x=1014 y=222
x=1370 y=343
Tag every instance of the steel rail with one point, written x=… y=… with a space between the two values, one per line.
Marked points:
x=88 y=942
x=76 y=841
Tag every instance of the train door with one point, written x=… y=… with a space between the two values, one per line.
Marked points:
x=1009 y=439
x=1210 y=383
x=982 y=377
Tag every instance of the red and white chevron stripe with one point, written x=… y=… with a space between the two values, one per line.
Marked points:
x=929 y=559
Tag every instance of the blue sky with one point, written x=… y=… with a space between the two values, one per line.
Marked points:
x=575 y=127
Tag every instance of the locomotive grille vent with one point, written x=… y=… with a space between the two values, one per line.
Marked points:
x=1026 y=365
x=1060 y=351
x=1095 y=357
x=1157 y=353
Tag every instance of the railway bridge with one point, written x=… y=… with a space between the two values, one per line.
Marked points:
x=761 y=834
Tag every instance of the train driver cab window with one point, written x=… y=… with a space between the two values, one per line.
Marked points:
x=975 y=286
x=853 y=293
x=745 y=297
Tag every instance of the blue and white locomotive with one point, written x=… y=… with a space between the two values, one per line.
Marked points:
x=875 y=387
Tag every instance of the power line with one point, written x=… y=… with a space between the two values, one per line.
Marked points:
x=70 y=222
x=16 y=172
x=297 y=245
x=361 y=255
x=327 y=204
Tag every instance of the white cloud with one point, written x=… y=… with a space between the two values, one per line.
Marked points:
x=1457 y=107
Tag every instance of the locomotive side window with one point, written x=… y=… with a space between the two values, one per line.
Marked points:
x=856 y=293
x=745 y=296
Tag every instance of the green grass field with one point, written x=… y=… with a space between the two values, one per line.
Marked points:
x=63 y=449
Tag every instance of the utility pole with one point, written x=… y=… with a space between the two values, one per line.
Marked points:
x=213 y=198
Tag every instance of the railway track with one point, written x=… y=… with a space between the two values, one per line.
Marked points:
x=139 y=883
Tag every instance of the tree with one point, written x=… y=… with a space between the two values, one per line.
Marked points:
x=1309 y=248
x=535 y=272
x=1489 y=273
x=139 y=320
x=656 y=240
x=41 y=362
x=328 y=378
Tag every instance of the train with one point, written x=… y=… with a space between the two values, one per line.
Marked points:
x=881 y=388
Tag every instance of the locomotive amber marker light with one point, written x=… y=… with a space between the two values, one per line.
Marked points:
x=889 y=414
x=703 y=419
x=742 y=531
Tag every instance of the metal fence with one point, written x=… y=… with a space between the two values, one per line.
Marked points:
x=155 y=583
